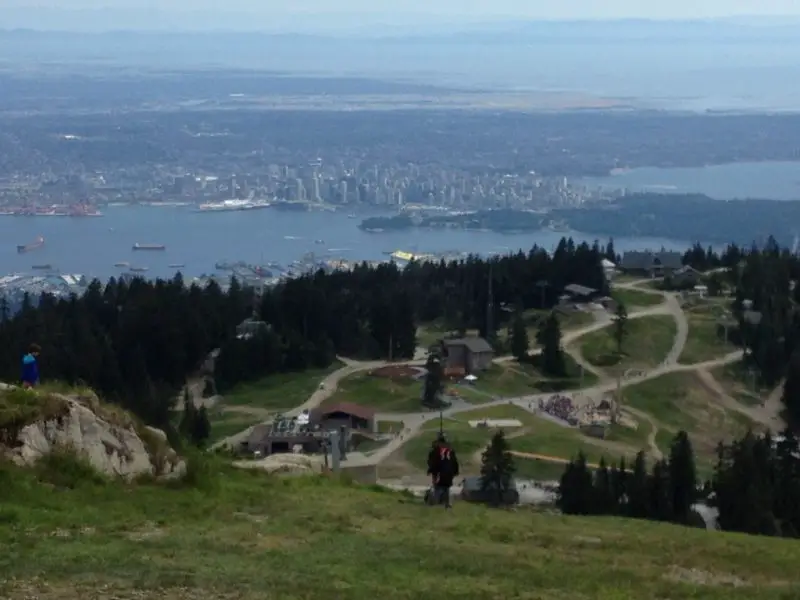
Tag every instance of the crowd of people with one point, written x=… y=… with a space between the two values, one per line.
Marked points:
x=561 y=407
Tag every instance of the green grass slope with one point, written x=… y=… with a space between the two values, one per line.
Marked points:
x=241 y=534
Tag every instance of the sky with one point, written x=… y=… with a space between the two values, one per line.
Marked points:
x=355 y=15
x=568 y=9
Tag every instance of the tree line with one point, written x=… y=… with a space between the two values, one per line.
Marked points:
x=373 y=312
x=666 y=493
x=136 y=342
x=755 y=486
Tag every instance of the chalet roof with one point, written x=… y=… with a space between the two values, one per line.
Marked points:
x=579 y=290
x=687 y=270
x=348 y=408
x=473 y=344
x=638 y=259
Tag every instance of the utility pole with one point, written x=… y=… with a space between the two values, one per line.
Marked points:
x=618 y=408
x=490 y=308
x=335 y=450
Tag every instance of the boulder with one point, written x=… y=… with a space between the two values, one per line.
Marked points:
x=110 y=439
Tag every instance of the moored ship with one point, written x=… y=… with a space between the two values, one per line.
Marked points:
x=74 y=210
x=138 y=246
x=38 y=243
x=229 y=205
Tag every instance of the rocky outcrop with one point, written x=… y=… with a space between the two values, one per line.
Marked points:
x=284 y=463
x=110 y=439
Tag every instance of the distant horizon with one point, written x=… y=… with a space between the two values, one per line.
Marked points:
x=140 y=20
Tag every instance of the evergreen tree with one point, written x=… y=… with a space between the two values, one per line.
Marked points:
x=744 y=491
x=188 y=416
x=659 y=502
x=603 y=501
x=201 y=428
x=497 y=469
x=619 y=479
x=682 y=477
x=549 y=338
x=620 y=330
x=636 y=489
x=434 y=381
x=519 y=337
x=791 y=393
x=610 y=253
x=575 y=490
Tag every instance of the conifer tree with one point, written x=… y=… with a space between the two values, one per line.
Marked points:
x=682 y=477
x=636 y=489
x=791 y=393
x=434 y=381
x=201 y=429
x=603 y=501
x=575 y=490
x=519 y=337
x=549 y=338
x=497 y=469
x=620 y=330
x=658 y=493
x=186 y=426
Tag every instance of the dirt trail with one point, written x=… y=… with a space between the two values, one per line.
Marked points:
x=545 y=458
x=655 y=451
x=575 y=352
x=252 y=411
x=763 y=415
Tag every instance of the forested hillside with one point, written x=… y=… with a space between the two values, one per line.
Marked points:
x=137 y=343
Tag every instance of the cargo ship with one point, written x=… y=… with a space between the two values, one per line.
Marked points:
x=229 y=205
x=38 y=243
x=138 y=269
x=138 y=246
x=47 y=267
x=177 y=266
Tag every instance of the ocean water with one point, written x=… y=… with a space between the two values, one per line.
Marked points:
x=762 y=180
x=91 y=246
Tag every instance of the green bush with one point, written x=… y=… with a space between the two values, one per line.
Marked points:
x=64 y=468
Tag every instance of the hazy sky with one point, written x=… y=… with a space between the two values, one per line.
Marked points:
x=455 y=8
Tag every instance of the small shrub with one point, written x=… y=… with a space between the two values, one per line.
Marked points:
x=9 y=516
x=200 y=471
x=63 y=467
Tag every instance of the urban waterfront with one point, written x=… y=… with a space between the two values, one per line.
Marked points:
x=92 y=246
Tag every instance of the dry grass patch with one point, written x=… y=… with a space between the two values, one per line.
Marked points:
x=680 y=401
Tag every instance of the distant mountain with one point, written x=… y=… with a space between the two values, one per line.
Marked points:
x=408 y=26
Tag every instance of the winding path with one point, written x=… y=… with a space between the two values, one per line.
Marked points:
x=414 y=422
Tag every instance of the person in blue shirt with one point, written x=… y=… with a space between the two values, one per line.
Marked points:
x=30 y=367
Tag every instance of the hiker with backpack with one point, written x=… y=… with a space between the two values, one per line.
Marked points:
x=443 y=469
